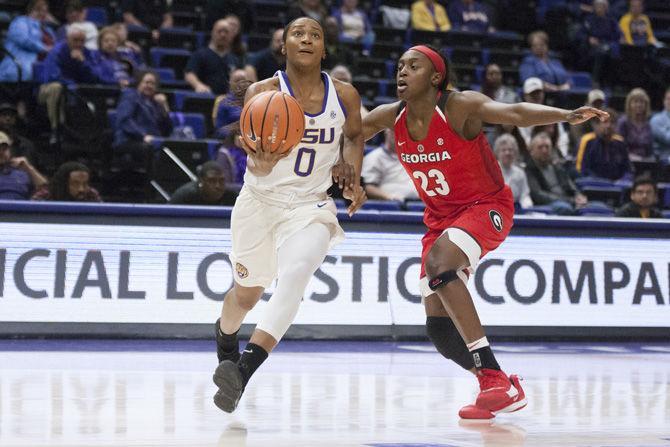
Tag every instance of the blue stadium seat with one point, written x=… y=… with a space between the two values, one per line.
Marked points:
x=195 y=120
x=666 y=214
x=170 y=57
x=415 y=205
x=178 y=38
x=596 y=209
x=610 y=194
x=541 y=209
x=583 y=182
x=181 y=96
x=382 y=205
x=165 y=74
x=97 y=15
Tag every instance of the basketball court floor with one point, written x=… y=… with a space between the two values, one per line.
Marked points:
x=323 y=394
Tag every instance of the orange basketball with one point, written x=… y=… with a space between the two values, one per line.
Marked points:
x=272 y=114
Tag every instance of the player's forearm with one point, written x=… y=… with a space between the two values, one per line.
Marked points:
x=525 y=114
x=353 y=154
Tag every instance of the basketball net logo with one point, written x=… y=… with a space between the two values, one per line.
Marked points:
x=496 y=220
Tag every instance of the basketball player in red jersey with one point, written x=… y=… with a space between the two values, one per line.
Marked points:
x=469 y=209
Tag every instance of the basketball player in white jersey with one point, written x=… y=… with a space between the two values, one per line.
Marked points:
x=283 y=222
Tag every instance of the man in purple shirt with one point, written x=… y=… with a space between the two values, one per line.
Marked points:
x=18 y=178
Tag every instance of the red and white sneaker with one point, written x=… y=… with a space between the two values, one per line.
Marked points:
x=499 y=394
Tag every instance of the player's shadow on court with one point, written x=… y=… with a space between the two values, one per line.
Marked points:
x=496 y=434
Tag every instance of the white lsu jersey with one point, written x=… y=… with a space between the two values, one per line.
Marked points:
x=306 y=171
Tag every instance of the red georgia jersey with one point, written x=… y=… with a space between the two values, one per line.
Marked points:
x=448 y=172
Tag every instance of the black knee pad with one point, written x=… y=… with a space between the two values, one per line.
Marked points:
x=444 y=335
x=442 y=279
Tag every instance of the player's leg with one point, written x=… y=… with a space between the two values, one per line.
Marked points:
x=450 y=254
x=236 y=304
x=443 y=333
x=297 y=263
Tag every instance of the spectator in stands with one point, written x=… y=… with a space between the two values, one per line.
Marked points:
x=267 y=61
x=128 y=49
x=69 y=62
x=636 y=26
x=227 y=107
x=208 y=69
x=18 y=177
x=428 y=15
x=660 y=129
x=494 y=88
x=601 y=43
x=75 y=14
x=150 y=14
x=113 y=62
x=141 y=116
x=28 y=40
x=502 y=129
x=634 y=126
x=310 y=8
x=603 y=153
x=643 y=198
x=533 y=92
x=549 y=183
x=385 y=178
x=337 y=53
x=70 y=183
x=244 y=9
x=507 y=153
x=470 y=15
x=540 y=65
x=354 y=25
x=209 y=189
x=595 y=98
x=22 y=146
x=237 y=46
x=342 y=73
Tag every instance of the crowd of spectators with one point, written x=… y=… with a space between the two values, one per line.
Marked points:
x=546 y=166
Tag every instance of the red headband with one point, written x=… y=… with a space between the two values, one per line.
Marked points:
x=435 y=59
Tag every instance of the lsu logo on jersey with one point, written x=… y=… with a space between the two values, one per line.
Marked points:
x=318 y=136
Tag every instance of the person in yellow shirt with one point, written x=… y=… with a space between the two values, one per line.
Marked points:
x=428 y=15
x=636 y=27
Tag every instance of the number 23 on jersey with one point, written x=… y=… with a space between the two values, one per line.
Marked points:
x=434 y=183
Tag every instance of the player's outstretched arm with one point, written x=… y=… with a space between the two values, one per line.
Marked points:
x=380 y=118
x=480 y=107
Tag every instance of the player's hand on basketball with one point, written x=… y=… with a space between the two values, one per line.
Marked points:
x=263 y=156
x=585 y=113
x=357 y=196
x=344 y=174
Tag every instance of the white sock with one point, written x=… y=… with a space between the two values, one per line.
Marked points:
x=478 y=344
x=298 y=258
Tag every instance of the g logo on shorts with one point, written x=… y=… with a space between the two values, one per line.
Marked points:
x=496 y=220
x=241 y=270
